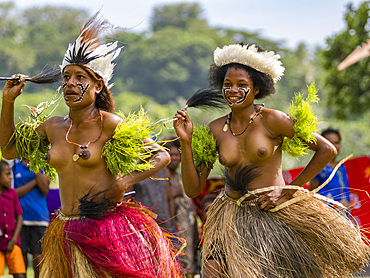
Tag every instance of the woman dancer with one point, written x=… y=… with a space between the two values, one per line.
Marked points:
x=93 y=234
x=247 y=232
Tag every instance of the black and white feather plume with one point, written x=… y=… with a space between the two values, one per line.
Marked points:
x=206 y=98
x=90 y=51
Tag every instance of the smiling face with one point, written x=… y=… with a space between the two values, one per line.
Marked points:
x=78 y=85
x=238 y=87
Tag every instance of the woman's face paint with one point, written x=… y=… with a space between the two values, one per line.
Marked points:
x=244 y=92
x=83 y=91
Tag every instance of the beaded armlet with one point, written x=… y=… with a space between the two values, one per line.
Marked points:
x=204 y=147
x=126 y=152
x=305 y=123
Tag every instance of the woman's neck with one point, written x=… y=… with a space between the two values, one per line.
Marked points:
x=243 y=114
x=83 y=115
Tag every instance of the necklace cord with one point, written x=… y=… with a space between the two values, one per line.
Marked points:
x=229 y=117
x=79 y=145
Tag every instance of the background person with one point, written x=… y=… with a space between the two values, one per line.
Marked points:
x=10 y=225
x=32 y=190
x=338 y=187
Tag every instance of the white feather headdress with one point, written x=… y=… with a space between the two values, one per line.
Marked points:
x=266 y=62
x=90 y=51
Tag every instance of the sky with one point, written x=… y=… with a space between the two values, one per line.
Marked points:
x=290 y=21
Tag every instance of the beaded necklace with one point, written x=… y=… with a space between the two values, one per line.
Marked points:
x=84 y=154
x=228 y=123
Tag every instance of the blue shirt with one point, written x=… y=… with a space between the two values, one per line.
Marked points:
x=338 y=187
x=34 y=205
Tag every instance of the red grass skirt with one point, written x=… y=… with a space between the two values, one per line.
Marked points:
x=126 y=242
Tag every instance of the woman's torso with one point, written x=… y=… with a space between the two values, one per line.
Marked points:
x=258 y=146
x=77 y=178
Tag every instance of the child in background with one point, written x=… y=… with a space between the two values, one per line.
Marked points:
x=10 y=209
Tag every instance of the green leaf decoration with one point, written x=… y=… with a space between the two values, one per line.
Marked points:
x=305 y=123
x=204 y=147
x=126 y=152
x=29 y=144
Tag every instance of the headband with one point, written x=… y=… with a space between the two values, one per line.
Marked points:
x=266 y=62
x=89 y=51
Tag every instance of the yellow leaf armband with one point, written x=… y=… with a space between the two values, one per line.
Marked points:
x=126 y=151
x=204 y=147
x=305 y=123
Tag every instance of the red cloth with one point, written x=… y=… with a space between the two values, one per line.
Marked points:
x=358 y=170
x=10 y=208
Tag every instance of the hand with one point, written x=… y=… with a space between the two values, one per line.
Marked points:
x=10 y=247
x=183 y=125
x=274 y=198
x=117 y=191
x=13 y=88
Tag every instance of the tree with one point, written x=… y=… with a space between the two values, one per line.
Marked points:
x=15 y=55
x=347 y=92
x=176 y=15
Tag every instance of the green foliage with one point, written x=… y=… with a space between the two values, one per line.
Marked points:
x=29 y=144
x=347 y=92
x=125 y=152
x=305 y=123
x=35 y=38
x=170 y=63
x=176 y=15
x=160 y=68
x=204 y=147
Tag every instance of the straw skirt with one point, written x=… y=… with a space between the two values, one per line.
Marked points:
x=305 y=239
x=125 y=242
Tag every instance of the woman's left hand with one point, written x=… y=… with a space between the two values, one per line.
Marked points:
x=274 y=198
x=119 y=188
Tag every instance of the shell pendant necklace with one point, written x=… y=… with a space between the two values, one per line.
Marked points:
x=84 y=154
x=227 y=125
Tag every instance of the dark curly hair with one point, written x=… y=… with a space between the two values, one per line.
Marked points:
x=263 y=81
x=331 y=130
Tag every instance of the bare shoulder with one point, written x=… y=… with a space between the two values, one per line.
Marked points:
x=111 y=120
x=51 y=127
x=50 y=124
x=216 y=124
x=277 y=122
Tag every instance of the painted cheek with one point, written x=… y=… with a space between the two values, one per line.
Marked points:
x=224 y=91
x=83 y=91
x=245 y=94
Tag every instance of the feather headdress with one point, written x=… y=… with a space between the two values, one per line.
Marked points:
x=90 y=51
x=266 y=61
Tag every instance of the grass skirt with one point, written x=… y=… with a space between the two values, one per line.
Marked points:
x=126 y=242
x=304 y=239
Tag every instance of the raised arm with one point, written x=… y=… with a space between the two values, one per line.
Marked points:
x=193 y=181
x=11 y=91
